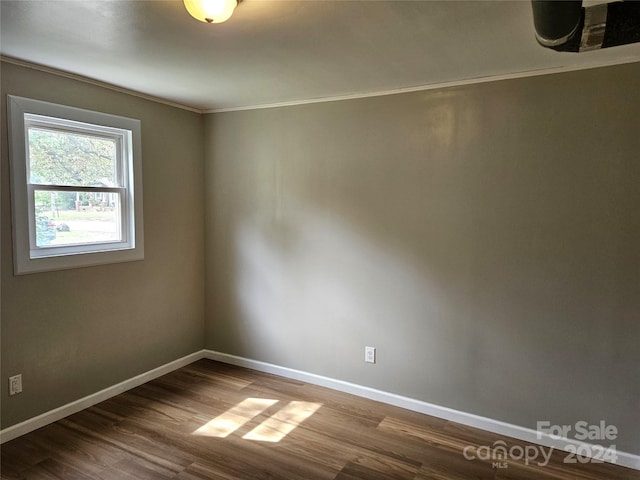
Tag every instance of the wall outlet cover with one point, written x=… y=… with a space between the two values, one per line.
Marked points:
x=370 y=354
x=15 y=384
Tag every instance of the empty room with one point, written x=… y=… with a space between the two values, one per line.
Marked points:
x=320 y=239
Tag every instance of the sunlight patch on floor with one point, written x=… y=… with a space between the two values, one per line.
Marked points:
x=234 y=418
x=282 y=423
x=273 y=429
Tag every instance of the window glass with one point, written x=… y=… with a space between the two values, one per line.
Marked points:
x=68 y=158
x=74 y=218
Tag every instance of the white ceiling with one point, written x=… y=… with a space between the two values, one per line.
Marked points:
x=273 y=52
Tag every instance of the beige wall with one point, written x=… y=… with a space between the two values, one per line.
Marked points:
x=485 y=238
x=74 y=332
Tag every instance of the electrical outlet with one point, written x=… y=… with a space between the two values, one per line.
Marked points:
x=370 y=354
x=15 y=384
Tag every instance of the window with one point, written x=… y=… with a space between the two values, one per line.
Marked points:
x=76 y=186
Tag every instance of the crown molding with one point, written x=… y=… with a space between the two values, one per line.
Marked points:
x=329 y=98
x=431 y=86
x=98 y=83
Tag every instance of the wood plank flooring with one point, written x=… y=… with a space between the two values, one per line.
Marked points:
x=254 y=426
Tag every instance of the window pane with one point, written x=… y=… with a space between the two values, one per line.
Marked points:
x=69 y=158
x=75 y=218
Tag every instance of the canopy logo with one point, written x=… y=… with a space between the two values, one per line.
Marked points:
x=577 y=452
x=500 y=454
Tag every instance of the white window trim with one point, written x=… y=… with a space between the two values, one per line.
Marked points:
x=28 y=259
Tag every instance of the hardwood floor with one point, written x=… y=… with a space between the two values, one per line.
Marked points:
x=215 y=421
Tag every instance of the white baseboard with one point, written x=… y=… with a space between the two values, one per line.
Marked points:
x=495 y=426
x=59 y=413
x=514 y=431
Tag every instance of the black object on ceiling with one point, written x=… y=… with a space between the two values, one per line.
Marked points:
x=567 y=26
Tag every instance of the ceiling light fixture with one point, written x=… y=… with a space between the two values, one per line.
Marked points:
x=211 y=11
